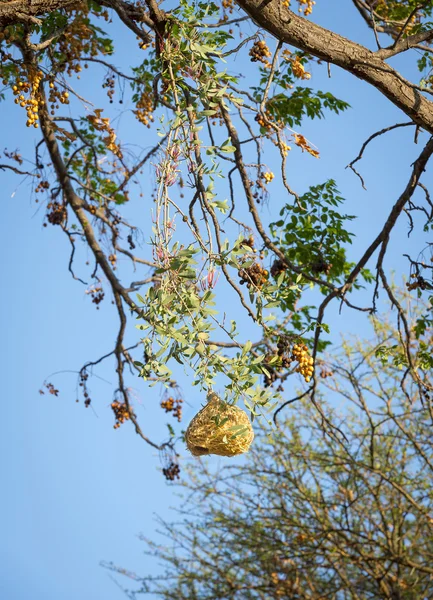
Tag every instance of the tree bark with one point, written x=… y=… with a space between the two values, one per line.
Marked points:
x=29 y=10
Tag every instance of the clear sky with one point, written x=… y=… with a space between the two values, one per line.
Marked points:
x=74 y=491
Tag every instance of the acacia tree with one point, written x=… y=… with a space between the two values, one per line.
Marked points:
x=211 y=132
x=307 y=517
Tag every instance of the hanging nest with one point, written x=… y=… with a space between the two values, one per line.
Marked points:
x=219 y=428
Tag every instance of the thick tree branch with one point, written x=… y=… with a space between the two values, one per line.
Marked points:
x=25 y=11
x=369 y=66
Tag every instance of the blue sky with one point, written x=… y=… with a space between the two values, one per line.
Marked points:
x=74 y=491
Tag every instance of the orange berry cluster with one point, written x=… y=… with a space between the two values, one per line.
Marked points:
x=260 y=53
x=121 y=413
x=78 y=39
x=55 y=96
x=58 y=213
x=42 y=185
x=255 y=275
x=268 y=176
x=305 y=6
x=324 y=373
x=306 y=362
x=173 y=405
x=145 y=109
x=285 y=148
x=249 y=242
x=113 y=260
x=142 y=45
x=267 y=121
x=228 y=5
x=32 y=103
x=308 y=6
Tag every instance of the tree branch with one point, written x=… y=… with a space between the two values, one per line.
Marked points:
x=368 y=66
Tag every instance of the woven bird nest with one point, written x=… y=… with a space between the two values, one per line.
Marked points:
x=219 y=428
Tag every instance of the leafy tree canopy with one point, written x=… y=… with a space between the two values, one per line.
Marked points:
x=306 y=517
x=209 y=129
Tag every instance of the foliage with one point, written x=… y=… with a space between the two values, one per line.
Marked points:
x=210 y=128
x=308 y=515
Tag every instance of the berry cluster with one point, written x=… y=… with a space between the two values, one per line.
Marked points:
x=171 y=472
x=306 y=362
x=249 y=242
x=58 y=213
x=305 y=6
x=264 y=120
x=50 y=388
x=285 y=148
x=110 y=83
x=321 y=266
x=268 y=176
x=42 y=185
x=285 y=360
x=130 y=241
x=55 y=96
x=228 y=5
x=121 y=413
x=173 y=405
x=78 y=39
x=113 y=260
x=324 y=373
x=84 y=376
x=217 y=117
x=267 y=121
x=142 y=45
x=283 y=350
x=97 y=294
x=145 y=109
x=271 y=374
x=260 y=53
x=255 y=275
x=32 y=103
x=277 y=268
x=419 y=283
